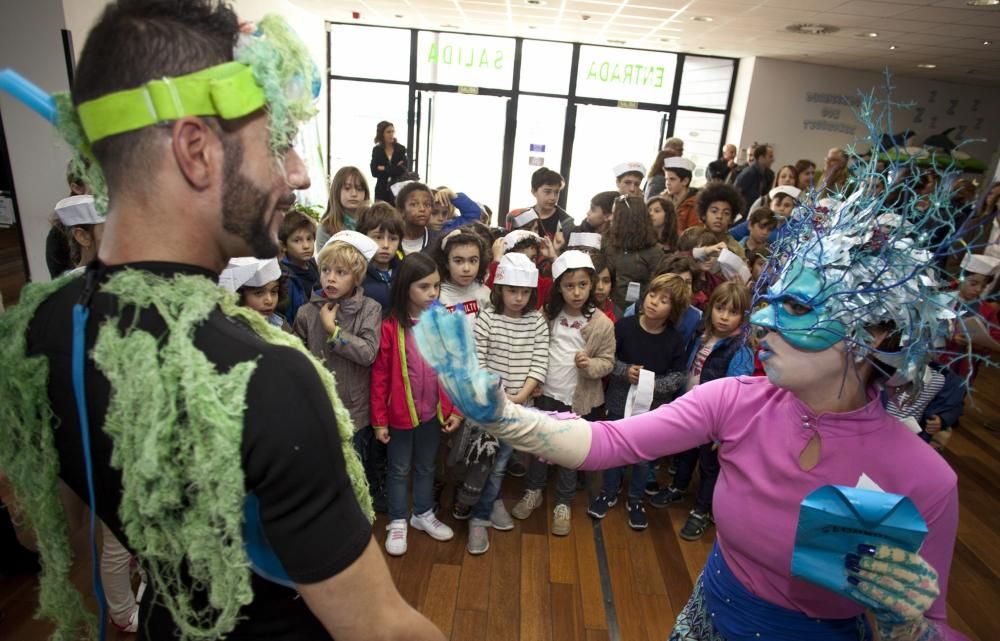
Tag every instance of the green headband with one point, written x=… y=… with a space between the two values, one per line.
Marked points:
x=228 y=91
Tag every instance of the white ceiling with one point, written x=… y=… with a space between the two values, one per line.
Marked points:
x=948 y=33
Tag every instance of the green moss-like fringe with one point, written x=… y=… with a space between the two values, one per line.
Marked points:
x=177 y=427
x=28 y=457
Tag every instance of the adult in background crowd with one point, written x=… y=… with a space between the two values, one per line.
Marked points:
x=755 y=181
x=807 y=174
x=834 y=177
x=674 y=145
x=389 y=161
x=723 y=168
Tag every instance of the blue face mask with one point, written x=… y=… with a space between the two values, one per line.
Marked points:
x=799 y=309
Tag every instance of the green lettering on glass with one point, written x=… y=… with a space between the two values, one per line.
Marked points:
x=465 y=57
x=628 y=75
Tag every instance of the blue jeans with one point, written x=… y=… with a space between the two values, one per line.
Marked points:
x=491 y=490
x=371 y=451
x=416 y=448
x=637 y=486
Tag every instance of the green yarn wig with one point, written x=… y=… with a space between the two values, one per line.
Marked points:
x=177 y=432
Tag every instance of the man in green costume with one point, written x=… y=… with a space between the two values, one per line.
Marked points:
x=212 y=446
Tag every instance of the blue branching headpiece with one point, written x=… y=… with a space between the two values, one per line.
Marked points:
x=871 y=255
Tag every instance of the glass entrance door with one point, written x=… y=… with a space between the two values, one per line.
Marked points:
x=605 y=137
x=462 y=143
x=356 y=109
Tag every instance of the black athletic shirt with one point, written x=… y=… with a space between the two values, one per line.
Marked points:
x=291 y=454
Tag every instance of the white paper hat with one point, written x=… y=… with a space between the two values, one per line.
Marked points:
x=78 y=210
x=395 y=188
x=525 y=217
x=357 y=240
x=572 y=259
x=517 y=236
x=517 y=270
x=249 y=272
x=679 y=162
x=629 y=167
x=981 y=264
x=584 y=239
x=794 y=192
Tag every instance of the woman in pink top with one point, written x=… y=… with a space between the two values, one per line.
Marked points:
x=846 y=312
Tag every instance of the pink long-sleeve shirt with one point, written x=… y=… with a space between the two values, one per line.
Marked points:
x=760 y=486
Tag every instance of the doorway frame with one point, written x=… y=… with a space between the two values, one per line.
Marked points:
x=413 y=141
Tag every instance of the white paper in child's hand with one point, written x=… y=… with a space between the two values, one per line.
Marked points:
x=640 y=397
x=632 y=293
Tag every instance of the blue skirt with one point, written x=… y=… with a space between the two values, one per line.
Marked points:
x=721 y=609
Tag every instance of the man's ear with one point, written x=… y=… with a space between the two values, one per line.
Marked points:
x=197 y=150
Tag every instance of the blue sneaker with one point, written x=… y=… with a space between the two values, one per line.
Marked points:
x=599 y=507
x=637 y=519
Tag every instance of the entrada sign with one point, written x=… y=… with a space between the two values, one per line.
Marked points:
x=627 y=74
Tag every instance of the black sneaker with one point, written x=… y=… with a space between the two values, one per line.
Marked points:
x=599 y=507
x=653 y=488
x=665 y=497
x=695 y=526
x=637 y=519
x=672 y=469
x=461 y=512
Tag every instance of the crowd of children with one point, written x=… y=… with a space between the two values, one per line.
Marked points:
x=641 y=301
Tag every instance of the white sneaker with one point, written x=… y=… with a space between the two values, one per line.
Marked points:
x=500 y=518
x=395 y=541
x=428 y=522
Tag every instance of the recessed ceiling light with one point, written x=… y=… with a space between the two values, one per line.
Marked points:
x=537 y=3
x=710 y=19
x=869 y=34
x=399 y=15
x=927 y=66
x=584 y=17
x=668 y=39
x=531 y=26
x=987 y=43
x=982 y=3
x=892 y=47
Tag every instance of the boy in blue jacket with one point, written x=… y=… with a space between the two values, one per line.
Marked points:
x=384 y=224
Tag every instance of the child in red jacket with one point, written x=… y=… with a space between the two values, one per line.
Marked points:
x=409 y=410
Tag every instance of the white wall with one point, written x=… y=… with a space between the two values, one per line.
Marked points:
x=31 y=43
x=785 y=106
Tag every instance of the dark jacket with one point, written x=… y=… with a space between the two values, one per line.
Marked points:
x=729 y=357
x=393 y=169
x=631 y=266
x=753 y=182
x=378 y=284
x=302 y=282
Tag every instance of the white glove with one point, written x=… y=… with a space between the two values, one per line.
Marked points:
x=445 y=342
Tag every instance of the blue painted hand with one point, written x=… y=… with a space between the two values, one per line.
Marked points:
x=446 y=343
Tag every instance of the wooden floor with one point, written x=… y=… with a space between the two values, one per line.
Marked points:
x=531 y=586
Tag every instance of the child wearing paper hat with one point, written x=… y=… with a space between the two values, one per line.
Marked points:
x=536 y=249
x=979 y=271
x=84 y=227
x=258 y=283
x=628 y=178
x=581 y=353
x=340 y=325
x=512 y=341
x=679 y=172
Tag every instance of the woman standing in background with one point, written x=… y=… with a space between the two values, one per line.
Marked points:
x=388 y=160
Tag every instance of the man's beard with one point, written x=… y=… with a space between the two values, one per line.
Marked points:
x=244 y=205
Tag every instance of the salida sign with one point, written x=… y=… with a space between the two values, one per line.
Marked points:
x=464 y=56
